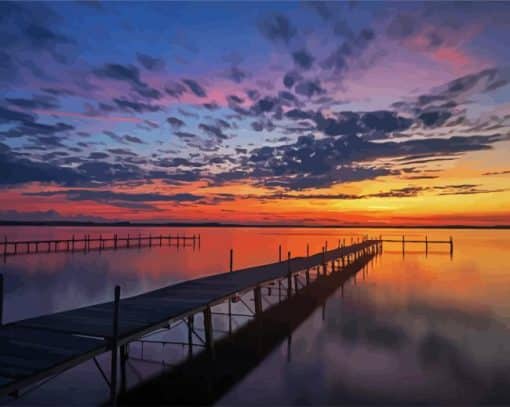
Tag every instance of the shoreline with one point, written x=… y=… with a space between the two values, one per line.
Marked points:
x=239 y=225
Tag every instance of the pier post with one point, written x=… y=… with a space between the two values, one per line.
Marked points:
x=451 y=246
x=289 y=277
x=199 y=240
x=426 y=245
x=160 y=240
x=124 y=354
x=307 y=274
x=257 y=296
x=324 y=266
x=114 y=341
x=208 y=327
x=190 y=336
x=403 y=244
x=280 y=253
x=307 y=250
x=1 y=299
x=231 y=268
x=296 y=282
x=150 y=239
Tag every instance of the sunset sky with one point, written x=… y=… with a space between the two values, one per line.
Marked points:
x=293 y=112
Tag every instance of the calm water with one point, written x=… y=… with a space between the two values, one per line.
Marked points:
x=415 y=329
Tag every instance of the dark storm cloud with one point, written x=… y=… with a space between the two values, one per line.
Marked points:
x=437 y=108
x=291 y=78
x=195 y=87
x=211 y=106
x=17 y=170
x=118 y=198
x=175 y=89
x=253 y=94
x=8 y=115
x=36 y=102
x=129 y=74
x=213 y=131
x=309 y=88
x=236 y=74
x=98 y=155
x=37 y=130
x=177 y=162
x=311 y=162
x=135 y=106
x=434 y=118
x=185 y=136
x=374 y=124
x=29 y=27
x=303 y=59
x=150 y=63
x=175 y=122
x=121 y=152
x=263 y=125
x=277 y=28
x=133 y=139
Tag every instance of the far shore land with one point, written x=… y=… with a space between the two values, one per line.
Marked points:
x=240 y=225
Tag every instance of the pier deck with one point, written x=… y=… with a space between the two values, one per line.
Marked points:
x=36 y=348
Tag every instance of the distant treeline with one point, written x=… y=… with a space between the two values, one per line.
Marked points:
x=236 y=225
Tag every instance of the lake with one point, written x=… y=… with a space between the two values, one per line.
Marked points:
x=413 y=328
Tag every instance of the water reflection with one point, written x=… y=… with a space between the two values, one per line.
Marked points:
x=407 y=330
x=206 y=377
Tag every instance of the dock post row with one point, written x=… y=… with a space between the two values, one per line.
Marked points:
x=88 y=243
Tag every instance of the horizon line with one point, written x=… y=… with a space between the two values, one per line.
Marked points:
x=242 y=225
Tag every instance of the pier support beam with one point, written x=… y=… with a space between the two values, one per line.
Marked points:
x=1 y=299
x=257 y=296
x=289 y=277
x=114 y=341
x=208 y=328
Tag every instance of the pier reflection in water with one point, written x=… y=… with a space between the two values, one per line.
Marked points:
x=204 y=378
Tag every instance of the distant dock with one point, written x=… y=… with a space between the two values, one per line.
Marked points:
x=425 y=242
x=97 y=243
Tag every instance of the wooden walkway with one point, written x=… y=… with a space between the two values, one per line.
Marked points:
x=88 y=243
x=37 y=348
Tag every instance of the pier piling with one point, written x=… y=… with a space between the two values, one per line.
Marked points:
x=114 y=342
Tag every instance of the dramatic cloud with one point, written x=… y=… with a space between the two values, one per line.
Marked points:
x=129 y=74
x=195 y=87
x=277 y=28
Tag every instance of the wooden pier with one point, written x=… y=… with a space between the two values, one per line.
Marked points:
x=35 y=349
x=97 y=243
